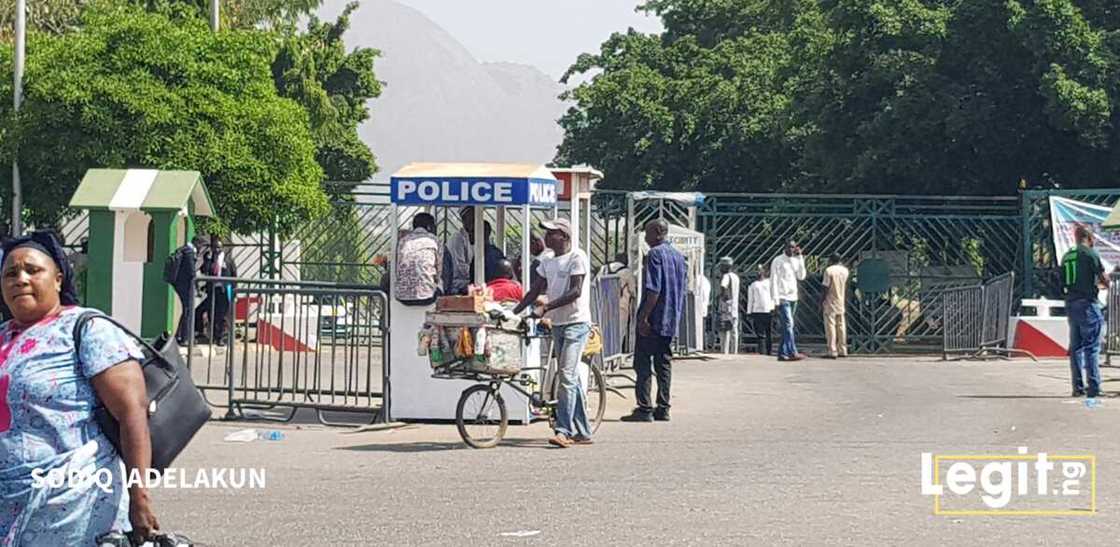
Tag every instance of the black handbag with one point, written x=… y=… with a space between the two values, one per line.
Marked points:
x=176 y=409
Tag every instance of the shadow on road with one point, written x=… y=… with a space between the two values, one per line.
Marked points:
x=427 y=446
x=1102 y=396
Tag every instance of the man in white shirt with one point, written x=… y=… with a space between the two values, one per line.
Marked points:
x=760 y=306
x=728 y=306
x=565 y=280
x=786 y=271
x=835 y=282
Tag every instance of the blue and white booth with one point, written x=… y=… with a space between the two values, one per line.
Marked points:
x=412 y=393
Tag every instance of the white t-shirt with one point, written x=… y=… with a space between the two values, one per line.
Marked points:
x=557 y=271
x=703 y=296
x=759 y=299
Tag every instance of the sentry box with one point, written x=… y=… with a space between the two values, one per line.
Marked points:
x=412 y=393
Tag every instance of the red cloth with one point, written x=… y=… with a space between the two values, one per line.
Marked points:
x=506 y=290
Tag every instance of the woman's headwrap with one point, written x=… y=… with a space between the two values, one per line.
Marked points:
x=46 y=243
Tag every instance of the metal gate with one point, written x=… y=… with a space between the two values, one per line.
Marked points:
x=930 y=244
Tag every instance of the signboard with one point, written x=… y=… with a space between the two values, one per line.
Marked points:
x=1066 y=214
x=490 y=191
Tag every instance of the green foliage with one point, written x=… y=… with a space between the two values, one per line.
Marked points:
x=334 y=86
x=875 y=96
x=136 y=89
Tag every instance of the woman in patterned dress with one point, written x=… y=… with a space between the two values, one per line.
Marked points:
x=48 y=392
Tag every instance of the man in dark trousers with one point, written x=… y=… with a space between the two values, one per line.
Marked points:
x=1082 y=277
x=216 y=263
x=664 y=280
x=184 y=285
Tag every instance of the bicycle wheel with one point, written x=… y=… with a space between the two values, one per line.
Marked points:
x=596 y=395
x=481 y=416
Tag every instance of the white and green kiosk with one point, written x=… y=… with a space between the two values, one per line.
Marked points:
x=137 y=218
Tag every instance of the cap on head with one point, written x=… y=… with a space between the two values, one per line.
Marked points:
x=558 y=225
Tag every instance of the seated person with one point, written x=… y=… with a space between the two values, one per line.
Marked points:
x=418 y=263
x=503 y=286
x=492 y=257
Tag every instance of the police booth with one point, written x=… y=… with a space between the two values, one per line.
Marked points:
x=412 y=393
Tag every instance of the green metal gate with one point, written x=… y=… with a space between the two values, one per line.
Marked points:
x=928 y=243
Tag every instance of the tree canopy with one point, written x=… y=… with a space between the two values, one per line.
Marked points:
x=266 y=112
x=334 y=86
x=905 y=96
x=136 y=89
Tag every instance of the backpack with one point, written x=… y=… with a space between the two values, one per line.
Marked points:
x=172 y=264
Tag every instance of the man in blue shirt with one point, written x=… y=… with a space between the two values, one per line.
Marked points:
x=663 y=299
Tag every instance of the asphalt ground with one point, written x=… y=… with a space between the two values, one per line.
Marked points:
x=758 y=453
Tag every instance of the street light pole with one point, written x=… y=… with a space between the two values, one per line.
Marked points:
x=215 y=10
x=17 y=98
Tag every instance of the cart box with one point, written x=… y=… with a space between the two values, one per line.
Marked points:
x=473 y=303
x=457 y=319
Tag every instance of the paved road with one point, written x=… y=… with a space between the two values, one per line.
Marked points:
x=758 y=453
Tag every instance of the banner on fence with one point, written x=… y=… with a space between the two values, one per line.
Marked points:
x=1066 y=214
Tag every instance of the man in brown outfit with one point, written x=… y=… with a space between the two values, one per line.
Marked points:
x=835 y=290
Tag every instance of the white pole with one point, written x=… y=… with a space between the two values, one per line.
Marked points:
x=573 y=208
x=479 y=246
x=17 y=98
x=526 y=231
x=500 y=234
x=215 y=10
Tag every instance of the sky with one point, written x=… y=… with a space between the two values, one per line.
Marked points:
x=547 y=34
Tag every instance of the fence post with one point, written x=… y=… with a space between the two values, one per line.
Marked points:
x=1025 y=228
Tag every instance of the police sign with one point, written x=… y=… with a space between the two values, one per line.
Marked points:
x=493 y=191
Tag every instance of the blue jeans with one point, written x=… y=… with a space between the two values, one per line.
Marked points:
x=786 y=312
x=568 y=342
x=1085 y=323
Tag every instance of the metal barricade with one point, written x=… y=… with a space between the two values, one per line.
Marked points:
x=1112 y=329
x=998 y=295
x=291 y=345
x=962 y=312
x=977 y=318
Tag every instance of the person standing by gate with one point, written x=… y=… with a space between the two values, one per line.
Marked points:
x=787 y=269
x=728 y=306
x=663 y=299
x=835 y=282
x=216 y=263
x=760 y=306
x=184 y=266
x=1082 y=276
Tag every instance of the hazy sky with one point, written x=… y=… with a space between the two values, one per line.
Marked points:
x=548 y=34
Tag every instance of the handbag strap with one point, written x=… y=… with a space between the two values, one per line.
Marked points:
x=88 y=316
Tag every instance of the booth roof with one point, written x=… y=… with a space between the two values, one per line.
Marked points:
x=475 y=170
x=142 y=189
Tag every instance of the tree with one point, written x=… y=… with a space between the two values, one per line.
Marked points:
x=335 y=87
x=916 y=96
x=136 y=89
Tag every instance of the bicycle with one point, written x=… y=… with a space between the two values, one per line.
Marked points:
x=481 y=416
